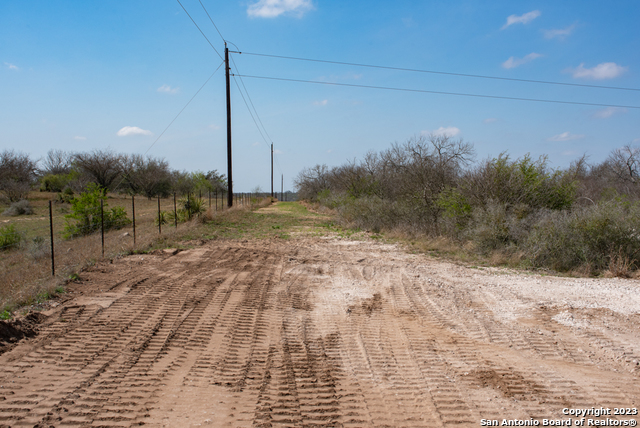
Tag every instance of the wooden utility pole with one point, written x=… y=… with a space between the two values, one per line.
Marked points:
x=229 y=175
x=271 y=170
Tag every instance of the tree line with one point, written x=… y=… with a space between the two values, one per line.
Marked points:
x=68 y=173
x=584 y=217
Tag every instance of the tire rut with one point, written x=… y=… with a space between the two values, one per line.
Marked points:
x=307 y=333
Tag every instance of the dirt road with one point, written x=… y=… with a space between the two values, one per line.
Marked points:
x=321 y=332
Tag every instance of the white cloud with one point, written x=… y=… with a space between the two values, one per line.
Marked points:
x=490 y=120
x=11 y=66
x=608 y=112
x=132 y=130
x=449 y=131
x=565 y=136
x=606 y=70
x=559 y=33
x=214 y=127
x=168 y=89
x=522 y=19
x=516 y=62
x=278 y=152
x=256 y=144
x=274 y=8
x=321 y=103
x=80 y=138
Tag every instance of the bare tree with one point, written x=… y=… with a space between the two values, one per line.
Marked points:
x=311 y=181
x=103 y=166
x=57 y=162
x=17 y=174
x=149 y=177
x=623 y=166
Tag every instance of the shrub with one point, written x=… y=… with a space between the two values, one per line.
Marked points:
x=22 y=207
x=66 y=196
x=85 y=217
x=9 y=237
x=518 y=182
x=57 y=182
x=17 y=172
x=594 y=237
x=162 y=218
x=39 y=248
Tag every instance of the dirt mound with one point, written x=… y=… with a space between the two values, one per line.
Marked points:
x=13 y=331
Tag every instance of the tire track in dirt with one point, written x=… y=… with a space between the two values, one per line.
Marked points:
x=307 y=333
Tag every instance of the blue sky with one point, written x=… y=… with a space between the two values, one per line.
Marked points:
x=79 y=75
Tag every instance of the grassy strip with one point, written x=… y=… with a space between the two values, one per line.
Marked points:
x=27 y=277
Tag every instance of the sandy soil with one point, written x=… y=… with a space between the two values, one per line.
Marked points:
x=321 y=332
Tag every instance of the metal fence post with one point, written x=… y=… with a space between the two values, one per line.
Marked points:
x=53 y=264
x=102 y=224
x=159 y=219
x=133 y=214
x=175 y=210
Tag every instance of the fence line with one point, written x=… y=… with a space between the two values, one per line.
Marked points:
x=143 y=214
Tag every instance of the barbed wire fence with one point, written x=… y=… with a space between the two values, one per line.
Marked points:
x=46 y=250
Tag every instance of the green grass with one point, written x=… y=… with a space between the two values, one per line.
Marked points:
x=281 y=220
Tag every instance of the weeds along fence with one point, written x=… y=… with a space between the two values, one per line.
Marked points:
x=36 y=250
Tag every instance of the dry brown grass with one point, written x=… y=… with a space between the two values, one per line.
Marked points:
x=26 y=272
x=619 y=266
x=506 y=258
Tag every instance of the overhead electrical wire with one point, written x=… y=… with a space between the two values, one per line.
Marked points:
x=254 y=120
x=461 y=94
x=250 y=112
x=251 y=101
x=183 y=108
x=201 y=32
x=178 y=115
x=246 y=91
x=211 y=19
x=546 y=82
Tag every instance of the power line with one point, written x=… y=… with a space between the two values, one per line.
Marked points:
x=248 y=96
x=250 y=112
x=255 y=110
x=183 y=108
x=442 y=93
x=210 y=19
x=203 y=35
x=546 y=82
x=174 y=119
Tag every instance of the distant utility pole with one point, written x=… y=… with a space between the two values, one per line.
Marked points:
x=282 y=188
x=229 y=175
x=272 y=170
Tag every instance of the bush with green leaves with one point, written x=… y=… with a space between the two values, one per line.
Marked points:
x=163 y=217
x=9 y=237
x=86 y=218
x=66 y=196
x=519 y=182
x=57 y=182
x=187 y=209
